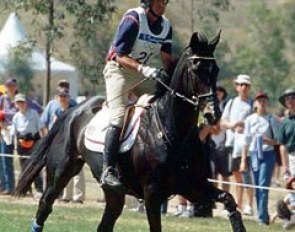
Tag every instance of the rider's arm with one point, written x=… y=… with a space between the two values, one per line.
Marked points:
x=124 y=42
x=127 y=62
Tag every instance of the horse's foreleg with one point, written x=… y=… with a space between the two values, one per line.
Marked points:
x=55 y=184
x=153 y=203
x=230 y=205
x=114 y=206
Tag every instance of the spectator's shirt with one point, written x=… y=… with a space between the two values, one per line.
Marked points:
x=292 y=202
x=235 y=110
x=28 y=122
x=140 y=40
x=34 y=105
x=8 y=107
x=256 y=124
x=287 y=133
x=59 y=111
x=50 y=110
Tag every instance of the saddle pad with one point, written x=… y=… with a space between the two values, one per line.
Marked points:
x=96 y=130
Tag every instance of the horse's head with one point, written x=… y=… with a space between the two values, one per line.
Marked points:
x=199 y=75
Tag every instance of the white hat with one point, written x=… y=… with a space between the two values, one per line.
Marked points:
x=243 y=79
x=20 y=97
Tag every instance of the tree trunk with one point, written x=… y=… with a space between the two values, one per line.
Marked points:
x=47 y=78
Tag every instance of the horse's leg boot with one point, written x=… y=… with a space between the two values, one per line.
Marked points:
x=110 y=175
x=36 y=227
x=237 y=222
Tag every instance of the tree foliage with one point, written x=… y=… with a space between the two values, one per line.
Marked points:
x=261 y=55
x=18 y=65
x=84 y=21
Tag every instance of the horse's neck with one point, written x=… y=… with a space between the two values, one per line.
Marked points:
x=177 y=117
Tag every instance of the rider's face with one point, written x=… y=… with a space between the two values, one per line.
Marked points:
x=158 y=6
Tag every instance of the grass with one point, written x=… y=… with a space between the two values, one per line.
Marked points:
x=16 y=217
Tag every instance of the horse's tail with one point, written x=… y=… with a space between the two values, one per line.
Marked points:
x=38 y=157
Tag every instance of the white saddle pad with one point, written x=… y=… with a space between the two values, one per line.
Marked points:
x=97 y=127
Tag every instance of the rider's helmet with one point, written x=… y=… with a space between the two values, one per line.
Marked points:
x=146 y=3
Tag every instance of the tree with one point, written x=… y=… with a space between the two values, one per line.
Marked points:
x=261 y=55
x=287 y=13
x=81 y=19
x=18 y=66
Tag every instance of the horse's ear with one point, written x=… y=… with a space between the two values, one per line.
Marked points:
x=194 y=41
x=215 y=41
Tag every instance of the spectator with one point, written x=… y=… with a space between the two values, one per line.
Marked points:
x=75 y=190
x=9 y=109
x=287 y=132
x=27 y=127
x=261 y=131
x=218 y=136
x=53 y=105
x=286 y=207
x=233 y=116
x=184 y=208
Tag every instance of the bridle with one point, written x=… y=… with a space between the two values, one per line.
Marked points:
x=192 y=77
x=195 y=98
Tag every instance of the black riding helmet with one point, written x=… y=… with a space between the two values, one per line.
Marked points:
x=146 y=3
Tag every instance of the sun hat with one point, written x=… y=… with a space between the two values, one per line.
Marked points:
x=243 y=79
x=260 y=94
x=287 y=92
x=63 y=83
x=10 y=81
x=20 y=98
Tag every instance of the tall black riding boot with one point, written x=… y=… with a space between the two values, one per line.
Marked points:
x=109 y=177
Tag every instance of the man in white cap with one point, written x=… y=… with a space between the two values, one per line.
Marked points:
x=28 y=128
x=53 y=105
x=234 y=114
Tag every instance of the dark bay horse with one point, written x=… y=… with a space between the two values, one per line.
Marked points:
x=167 y=157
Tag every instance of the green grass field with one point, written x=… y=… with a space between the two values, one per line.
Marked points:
x=16 y=217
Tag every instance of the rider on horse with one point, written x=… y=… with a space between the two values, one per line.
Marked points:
x=142 y=33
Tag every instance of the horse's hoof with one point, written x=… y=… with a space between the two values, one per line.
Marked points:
x=36 y=227
x=121 y=189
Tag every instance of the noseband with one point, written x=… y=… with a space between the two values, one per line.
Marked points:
x=197 y=97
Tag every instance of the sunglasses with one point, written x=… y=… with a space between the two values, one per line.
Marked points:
x=289 y=98
x=262 y=99
x=243 y=84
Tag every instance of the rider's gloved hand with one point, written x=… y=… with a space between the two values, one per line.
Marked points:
x=148 y=71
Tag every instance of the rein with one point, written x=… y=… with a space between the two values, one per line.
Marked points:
x=194 y=101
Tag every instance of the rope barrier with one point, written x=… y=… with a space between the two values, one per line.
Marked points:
x=12 y=156
x=210 y=180
x=252 y=186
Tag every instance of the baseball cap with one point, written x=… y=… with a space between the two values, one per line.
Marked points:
x=289 y=182
x=260 y=94
x=20 y=98
x=243 y=79
x=10 y=81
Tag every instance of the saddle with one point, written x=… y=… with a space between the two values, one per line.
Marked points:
x=96 y=129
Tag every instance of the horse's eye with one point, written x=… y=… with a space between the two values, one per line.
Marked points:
x=195 y=61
